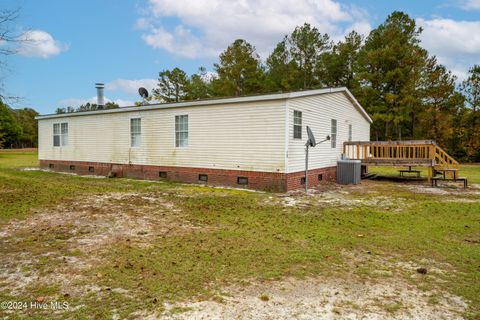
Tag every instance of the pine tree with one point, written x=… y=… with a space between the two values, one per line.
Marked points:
x=172 y=86
x=390 y=65
x=340 y=66
x=471 y=91
x=239 y=70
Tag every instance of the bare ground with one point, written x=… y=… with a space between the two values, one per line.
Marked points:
x=87 y=228
x=338 y=296
x=91 y=225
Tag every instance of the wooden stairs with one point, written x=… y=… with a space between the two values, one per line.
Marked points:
x=410 y=153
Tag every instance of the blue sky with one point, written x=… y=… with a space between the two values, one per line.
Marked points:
x=126 y=43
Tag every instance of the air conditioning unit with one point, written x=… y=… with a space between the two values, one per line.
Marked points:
x=349 y=171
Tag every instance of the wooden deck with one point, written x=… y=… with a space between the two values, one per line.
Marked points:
x=409 y=153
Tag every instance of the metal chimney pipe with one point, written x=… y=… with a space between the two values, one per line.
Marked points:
x=100 y=96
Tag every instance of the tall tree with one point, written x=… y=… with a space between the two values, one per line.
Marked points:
x=440 y=103
x=9 y=40
x=341 y=64
x=26 y=119
x=283 y=73
x=239 y=70
x=307 y=47
x=470 y=88
x=172 y=86
x=10 y=130
x=390 y=65
x=199 y=85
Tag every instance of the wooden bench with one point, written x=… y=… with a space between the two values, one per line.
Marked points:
x=463 y=179
x=417 y=172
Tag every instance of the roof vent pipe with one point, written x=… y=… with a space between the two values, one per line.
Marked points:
x=100 y=96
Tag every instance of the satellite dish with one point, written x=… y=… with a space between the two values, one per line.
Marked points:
x=143 y=92
x=310 y=143
x=311 y=138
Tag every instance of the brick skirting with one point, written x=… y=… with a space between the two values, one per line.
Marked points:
x=268 y=181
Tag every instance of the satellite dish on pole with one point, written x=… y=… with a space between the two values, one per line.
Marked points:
x=311 y=138
x=310 y=143
x=143 y=93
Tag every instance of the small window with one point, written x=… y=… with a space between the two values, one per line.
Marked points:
x=349 y=132
x=181 y=131
x=320 y=177
x=60 y=134
x=91 y=169
x=64 y=134
x=203 y=177
x=135 y=132
x=242 y=180
x=302 y=180
x=297 y=124
x=162 y=174
x=72 y=167
x=51 y=165
x=333 y=136
x=56 y=134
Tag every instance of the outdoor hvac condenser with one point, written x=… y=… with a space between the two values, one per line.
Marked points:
x=349 y=171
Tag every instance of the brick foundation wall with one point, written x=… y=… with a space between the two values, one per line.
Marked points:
x=268 y=181
x=295 y=180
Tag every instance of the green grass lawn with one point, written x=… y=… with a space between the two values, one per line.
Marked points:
x=238 y=237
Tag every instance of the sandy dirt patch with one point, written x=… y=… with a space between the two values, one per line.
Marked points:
x=68 y=239
x=389 y=293
x=323 y=299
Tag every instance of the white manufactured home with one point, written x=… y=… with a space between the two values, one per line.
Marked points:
x=255 y=142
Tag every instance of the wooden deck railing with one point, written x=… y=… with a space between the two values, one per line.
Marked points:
x=402 y=153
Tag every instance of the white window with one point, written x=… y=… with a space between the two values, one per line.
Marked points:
x=181 y=131
x=333 y=135
x=349 y=132
x=297 y=124
x=60 y=134
x=135 y=132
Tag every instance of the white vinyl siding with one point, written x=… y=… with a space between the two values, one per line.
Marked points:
x=250 y=136
x=181 y=131
x=297 y=124
x=60 y=134
x=235 y=136
x=317 y=113
x=135 y=132
x=333 y=133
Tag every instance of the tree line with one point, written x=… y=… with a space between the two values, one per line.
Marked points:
x=18 y=127
x=406 y=91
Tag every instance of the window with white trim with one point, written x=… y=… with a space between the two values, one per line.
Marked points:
x=349 y=132
x=60 y=134
x=181 y=131
x=135 y=132
x=297 y=124
x=333 y=133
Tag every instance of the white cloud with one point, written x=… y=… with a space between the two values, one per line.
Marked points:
x=206 y=27
x=75 y=102
x=131 y=86
x=470 y=4
x=38 y=43
x=455 y=43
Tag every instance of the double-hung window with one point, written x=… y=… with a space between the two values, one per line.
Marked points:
x=135 y=132
x=181 y=131
x=333 y=135
x=297 y=124
x=60 y=134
